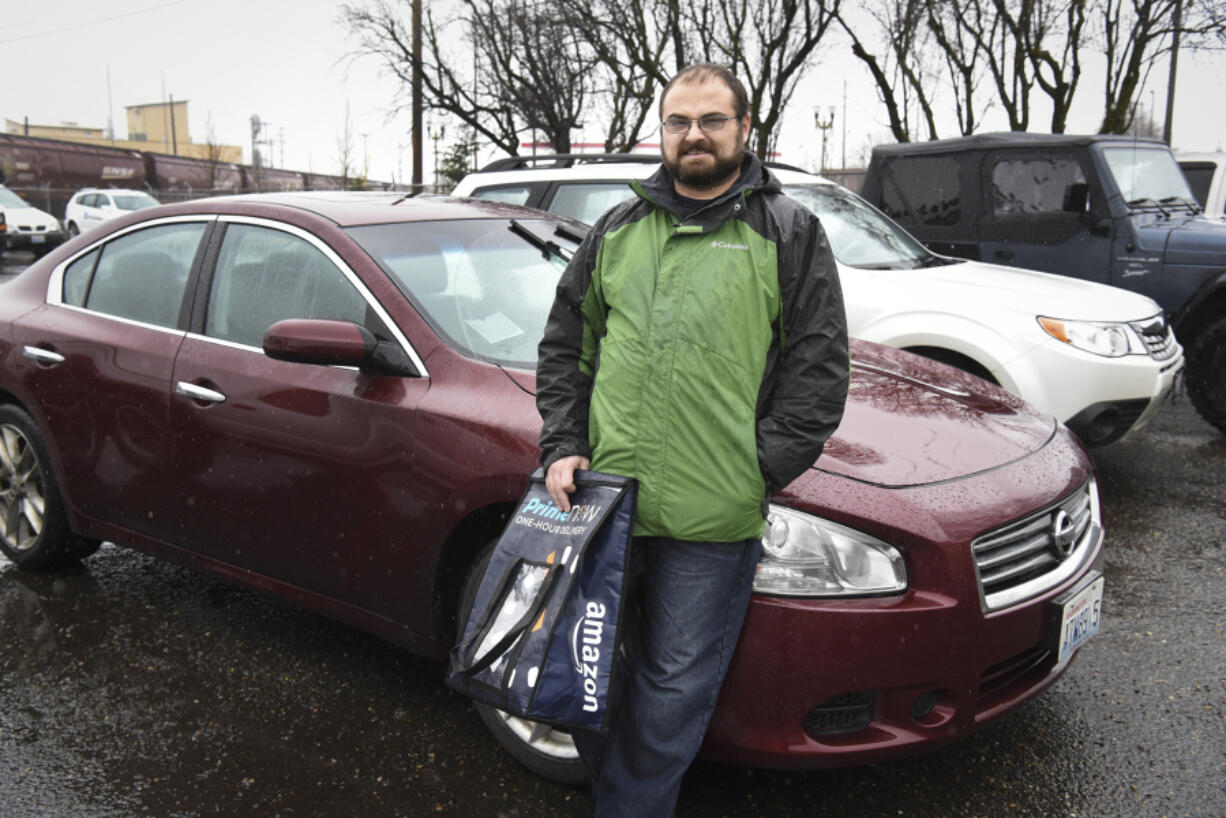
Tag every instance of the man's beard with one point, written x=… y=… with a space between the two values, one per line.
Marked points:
x=708 y=177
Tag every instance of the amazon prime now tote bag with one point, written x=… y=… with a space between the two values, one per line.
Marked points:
x=544 y=628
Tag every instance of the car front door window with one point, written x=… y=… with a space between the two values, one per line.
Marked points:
x=264 y=276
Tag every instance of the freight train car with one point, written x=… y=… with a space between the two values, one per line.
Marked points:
x=175 y=178
x=46 y=172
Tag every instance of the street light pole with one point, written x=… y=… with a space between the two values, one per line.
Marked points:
x=823 y=125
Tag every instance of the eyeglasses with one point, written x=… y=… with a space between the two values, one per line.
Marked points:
x=708 y=123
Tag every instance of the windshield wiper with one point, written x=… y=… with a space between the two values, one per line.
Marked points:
x=1145 y=201
x=1191 y=204
x=543 y=244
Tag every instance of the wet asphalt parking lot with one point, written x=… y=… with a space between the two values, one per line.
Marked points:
x=132 y=687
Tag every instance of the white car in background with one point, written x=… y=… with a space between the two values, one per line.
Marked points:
x=25 y=227
x=1206 y=174
x=91 y=207
x=1101 y=359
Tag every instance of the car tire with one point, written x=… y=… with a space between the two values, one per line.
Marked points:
x=545 y=750
x=73 y=230
x=1206 y=374
x=34 y=532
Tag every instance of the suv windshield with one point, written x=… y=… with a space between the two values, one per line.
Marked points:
x=859 y=235
x=485 y=285
x=1148 y=176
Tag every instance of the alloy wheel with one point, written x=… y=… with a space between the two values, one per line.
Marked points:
x=22 y=503
x=543 y=738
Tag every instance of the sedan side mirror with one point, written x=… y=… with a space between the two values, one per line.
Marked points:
x=333 y=343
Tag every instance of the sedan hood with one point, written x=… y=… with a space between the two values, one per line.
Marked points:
x=1034 y=293
x=910 y=421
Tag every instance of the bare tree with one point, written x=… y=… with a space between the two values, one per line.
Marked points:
x=344 y=151
x=1053 y=42
x=770 y=45
x=637 y=45
x=519 y=66
x=532 y=65
x=902 y=67
x=1135 y=34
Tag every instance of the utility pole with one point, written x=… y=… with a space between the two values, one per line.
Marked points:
x=1168 y=125
x=417 y=100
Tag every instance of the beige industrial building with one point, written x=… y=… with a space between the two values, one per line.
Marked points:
x=159 y=127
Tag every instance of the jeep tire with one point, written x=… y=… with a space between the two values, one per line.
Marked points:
x=1206 y=373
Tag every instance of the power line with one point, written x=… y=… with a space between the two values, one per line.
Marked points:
x=92 y=22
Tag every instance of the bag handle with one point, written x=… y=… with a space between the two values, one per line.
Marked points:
x=517 y=629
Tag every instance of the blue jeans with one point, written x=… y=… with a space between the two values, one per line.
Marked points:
x=693 y=602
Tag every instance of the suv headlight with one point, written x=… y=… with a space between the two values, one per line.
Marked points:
x=1110 y=339
x=803 y=555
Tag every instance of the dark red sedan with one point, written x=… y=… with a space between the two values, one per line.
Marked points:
x=330 y=397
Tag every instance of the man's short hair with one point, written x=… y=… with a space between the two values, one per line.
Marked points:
x=703 y=71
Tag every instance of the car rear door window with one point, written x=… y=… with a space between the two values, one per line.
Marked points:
x=264 y=275
x=142 y=275
x=76 y=279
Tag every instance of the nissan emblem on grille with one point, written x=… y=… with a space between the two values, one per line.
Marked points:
x=1063 y=534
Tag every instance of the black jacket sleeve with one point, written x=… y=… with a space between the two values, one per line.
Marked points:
x=808 y=385
x=566 y=357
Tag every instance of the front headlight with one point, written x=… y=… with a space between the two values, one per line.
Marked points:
x=803 y=555
x=1110 y=339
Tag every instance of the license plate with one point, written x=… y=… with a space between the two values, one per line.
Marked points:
x=38 y=239
x=1080 y=618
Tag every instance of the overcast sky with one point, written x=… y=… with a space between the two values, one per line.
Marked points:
x=286 y=61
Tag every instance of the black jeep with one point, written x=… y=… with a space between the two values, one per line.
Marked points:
x=1112 y=209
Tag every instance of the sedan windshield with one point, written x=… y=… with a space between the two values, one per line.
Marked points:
x=859 y=235
x=486 y=285
x=1148 y=176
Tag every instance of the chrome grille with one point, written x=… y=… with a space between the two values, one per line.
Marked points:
x=1158 y=337
x=1038 y=552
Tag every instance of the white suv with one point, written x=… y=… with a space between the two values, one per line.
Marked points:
x=91 y=207
x=1101 y=359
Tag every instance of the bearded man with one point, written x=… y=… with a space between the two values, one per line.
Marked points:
x=697 y=343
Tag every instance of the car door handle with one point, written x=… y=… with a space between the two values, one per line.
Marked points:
x=199 y=393
x=43 y=356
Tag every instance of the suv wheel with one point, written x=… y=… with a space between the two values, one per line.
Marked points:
x=73 y=230
x=1206 y=374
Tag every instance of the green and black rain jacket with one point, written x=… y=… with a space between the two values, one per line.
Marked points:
x=707 y=357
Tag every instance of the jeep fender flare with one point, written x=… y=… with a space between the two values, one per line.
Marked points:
x=1206 y=304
